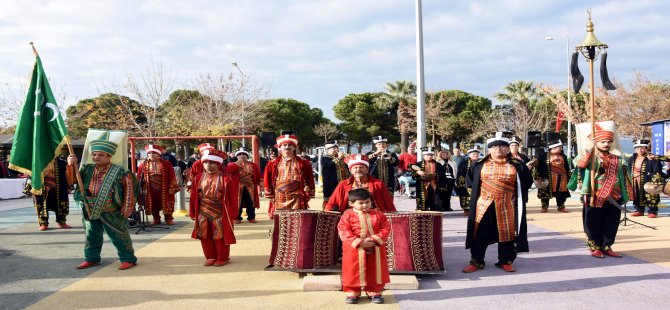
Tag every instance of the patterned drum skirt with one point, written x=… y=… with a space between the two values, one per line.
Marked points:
x=304 y=239
x=415 y=242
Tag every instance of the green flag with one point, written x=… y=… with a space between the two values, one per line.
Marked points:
x=40 y=131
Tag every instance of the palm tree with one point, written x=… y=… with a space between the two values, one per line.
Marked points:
x=521 y=98
x=400 y=95
x=521 y=92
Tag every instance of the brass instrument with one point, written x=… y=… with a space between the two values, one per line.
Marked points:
x=532 y=163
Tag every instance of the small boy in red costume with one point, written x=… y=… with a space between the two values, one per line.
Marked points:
x=363 y=232
x=213 y=207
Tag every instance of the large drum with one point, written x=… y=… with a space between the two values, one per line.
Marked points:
x=303 y=239
x=415 y=242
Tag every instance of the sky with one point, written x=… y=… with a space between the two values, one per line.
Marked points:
x=319 y=51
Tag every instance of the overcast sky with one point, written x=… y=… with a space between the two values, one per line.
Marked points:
x=318 y=51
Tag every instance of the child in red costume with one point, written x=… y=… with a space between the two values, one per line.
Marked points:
x=213 y=207
x=363 y=232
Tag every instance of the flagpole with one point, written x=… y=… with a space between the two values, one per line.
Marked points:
x=34 y=50
x=80 y=183
x=592 y=100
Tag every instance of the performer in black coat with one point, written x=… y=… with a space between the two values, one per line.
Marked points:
x=333 y=170
x=499 y=195
x=553 y=167
x=463 y=183
x=3 y=167
x=58 y=179
x=430 y=179
x=383 y=163
x=515 y=150
x=450 y=177
x=643 y=170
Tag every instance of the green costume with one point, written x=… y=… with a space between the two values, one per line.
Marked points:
x=600 y=216
x=111 y=193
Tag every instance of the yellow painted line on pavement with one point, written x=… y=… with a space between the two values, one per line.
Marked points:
x=170 y=275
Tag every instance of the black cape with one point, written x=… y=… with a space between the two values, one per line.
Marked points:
x=543 y=171
x=421 y=204
x=376 y=163
x=329 y=173
x=525 y=179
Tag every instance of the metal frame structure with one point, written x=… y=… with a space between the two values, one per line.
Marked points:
x=254 y=144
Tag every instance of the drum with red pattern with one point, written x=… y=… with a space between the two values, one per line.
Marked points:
x=304 y=239
x=415 y=242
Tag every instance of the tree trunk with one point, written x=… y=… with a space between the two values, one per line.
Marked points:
x=177 y=152
x=404 y=137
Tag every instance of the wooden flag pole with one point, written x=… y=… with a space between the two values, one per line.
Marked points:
x=80 y=183
x=593 y=135
x=34 y=50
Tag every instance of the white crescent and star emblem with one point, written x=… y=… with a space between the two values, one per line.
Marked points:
x=53 y=108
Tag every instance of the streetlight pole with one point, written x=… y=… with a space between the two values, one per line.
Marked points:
x=238 y=68
x=420 y=93
x=243 y=112
x=567 y=61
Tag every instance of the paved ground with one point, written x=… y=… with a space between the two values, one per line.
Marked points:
x=558 y=273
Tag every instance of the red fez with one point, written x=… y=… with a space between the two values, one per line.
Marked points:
x=214 y=155
x=604 y=132
x=205 y=146
x=357 y=159
x=290 y=139
x=153 y=148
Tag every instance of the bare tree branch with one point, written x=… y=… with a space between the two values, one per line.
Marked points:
x=642 y=101
x=151 y=87
x=229 y=105
x=13 y=98
x=326 y=130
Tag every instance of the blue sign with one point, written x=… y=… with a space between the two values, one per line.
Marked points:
x=657 y=138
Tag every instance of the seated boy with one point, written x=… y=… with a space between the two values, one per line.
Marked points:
x=363 y=232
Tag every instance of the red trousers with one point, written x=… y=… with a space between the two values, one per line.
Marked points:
x=157 y=206
x=371 y=289
x=215 y=249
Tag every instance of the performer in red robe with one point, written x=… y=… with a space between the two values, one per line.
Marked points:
x=289 y=180
x=363 y=232
x=358 y=166
x=158 y=185
x=196 y=168
x=249 y=181
x=213 y=207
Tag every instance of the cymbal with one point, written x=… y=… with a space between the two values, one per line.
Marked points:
x=541 y=183
x=653 y=189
